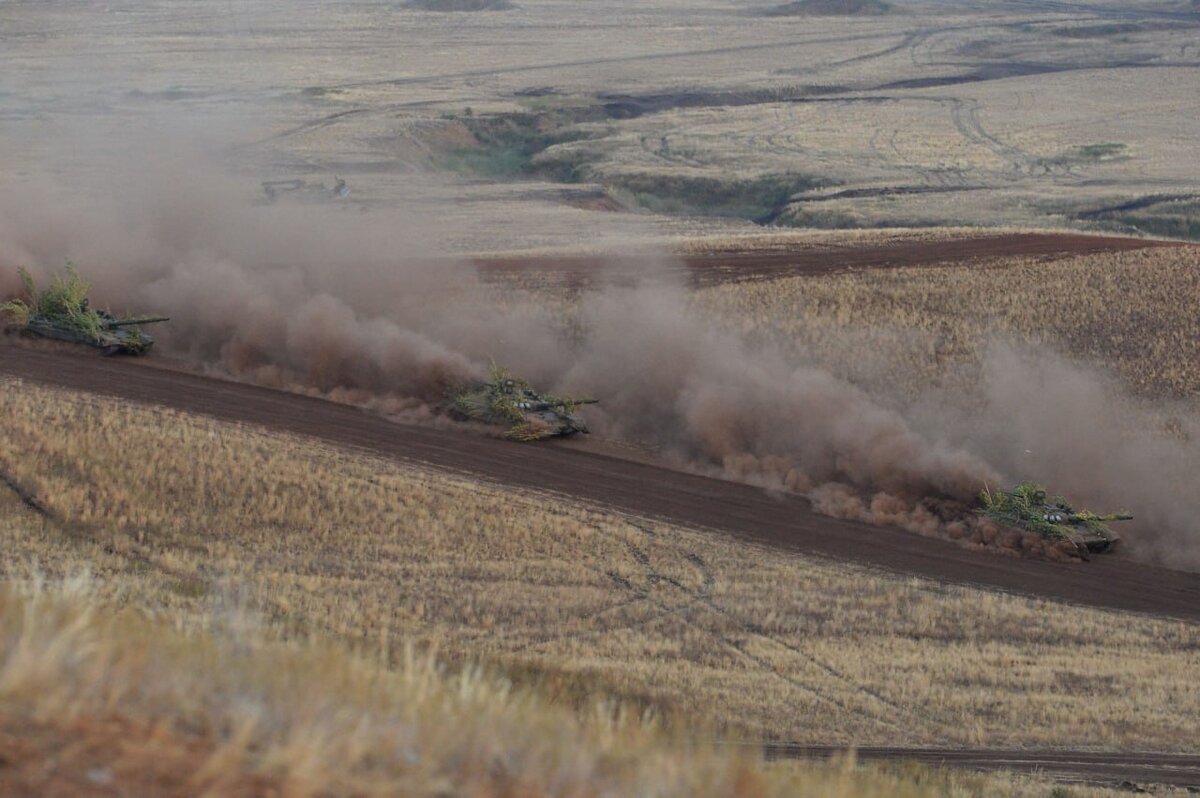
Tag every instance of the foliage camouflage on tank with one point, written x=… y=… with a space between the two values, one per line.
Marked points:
x=504 y=399
x=62 y=311
x=1028 y=507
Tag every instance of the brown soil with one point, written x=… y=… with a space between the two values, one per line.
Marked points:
x=112 y=757
x=783 y=522
x=735 y=266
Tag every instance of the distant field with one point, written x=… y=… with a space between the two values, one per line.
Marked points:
x=913 y=329
x=902 y=328
x=178 y=514
x=541 y=123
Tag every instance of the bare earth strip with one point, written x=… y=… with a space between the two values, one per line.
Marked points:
x=748 y=513
x=1180 y=770
x=758 y=264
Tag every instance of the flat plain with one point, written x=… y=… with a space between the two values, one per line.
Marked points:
x=936 y=113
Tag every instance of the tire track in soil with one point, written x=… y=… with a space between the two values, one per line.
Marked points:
x=703 y=596
x=700 y=597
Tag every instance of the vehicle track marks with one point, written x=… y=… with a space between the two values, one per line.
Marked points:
x=703 y=596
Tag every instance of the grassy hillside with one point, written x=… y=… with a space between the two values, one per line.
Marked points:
x=185 y=518
x=100 y=702
x=925 y=326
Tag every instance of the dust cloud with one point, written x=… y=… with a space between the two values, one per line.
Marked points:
x=1073 y=428
x=332 y=301
x=359 y=307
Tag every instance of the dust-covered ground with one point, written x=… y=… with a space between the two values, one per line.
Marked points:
x=135 y=138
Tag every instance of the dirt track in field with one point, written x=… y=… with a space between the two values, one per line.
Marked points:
x=783 y=522
x=736 y=266
x=1130 y=770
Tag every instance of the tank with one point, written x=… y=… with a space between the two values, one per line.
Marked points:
x=505 y=400
x=1027 y=506
x=62 y=312
x=302 y=189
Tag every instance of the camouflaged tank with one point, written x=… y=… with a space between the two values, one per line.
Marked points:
x=1028 y=507
x=62 y=312
x=304 y=190
x=510 y=401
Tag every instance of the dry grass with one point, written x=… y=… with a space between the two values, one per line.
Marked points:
x=232 y=715
x=910 y=329
x=183 y=516
x=99 y=703
x=774 y=239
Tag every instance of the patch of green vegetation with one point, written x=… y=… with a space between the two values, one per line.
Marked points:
x=827 y=219
x=528 y=145
x=758 y=199
x=830 y=8
x=63 y=302
x=508 y=146
x=846 y=216
x=1107 y=152
x=550 y=103
x=1096 y=31
x=320 y=91
x=1097 y=152
x=188 y=587
x=1179 y=220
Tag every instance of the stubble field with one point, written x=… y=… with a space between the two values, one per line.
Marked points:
x=511 y=642
x=181 y=515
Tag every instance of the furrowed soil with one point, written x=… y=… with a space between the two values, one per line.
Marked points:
x=746 y=512
x=758 y=264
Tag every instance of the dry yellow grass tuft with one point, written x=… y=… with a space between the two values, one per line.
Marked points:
x=312 y=720
x=185 y=517
x=94 y=702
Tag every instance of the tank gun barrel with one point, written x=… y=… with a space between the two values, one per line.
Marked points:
x=116 y=323
x=556 y=403
x=1095 y=517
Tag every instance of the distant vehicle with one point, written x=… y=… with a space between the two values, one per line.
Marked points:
x=1028 y=507
x=304 y=190
x=510 y=401
x=62 y=312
